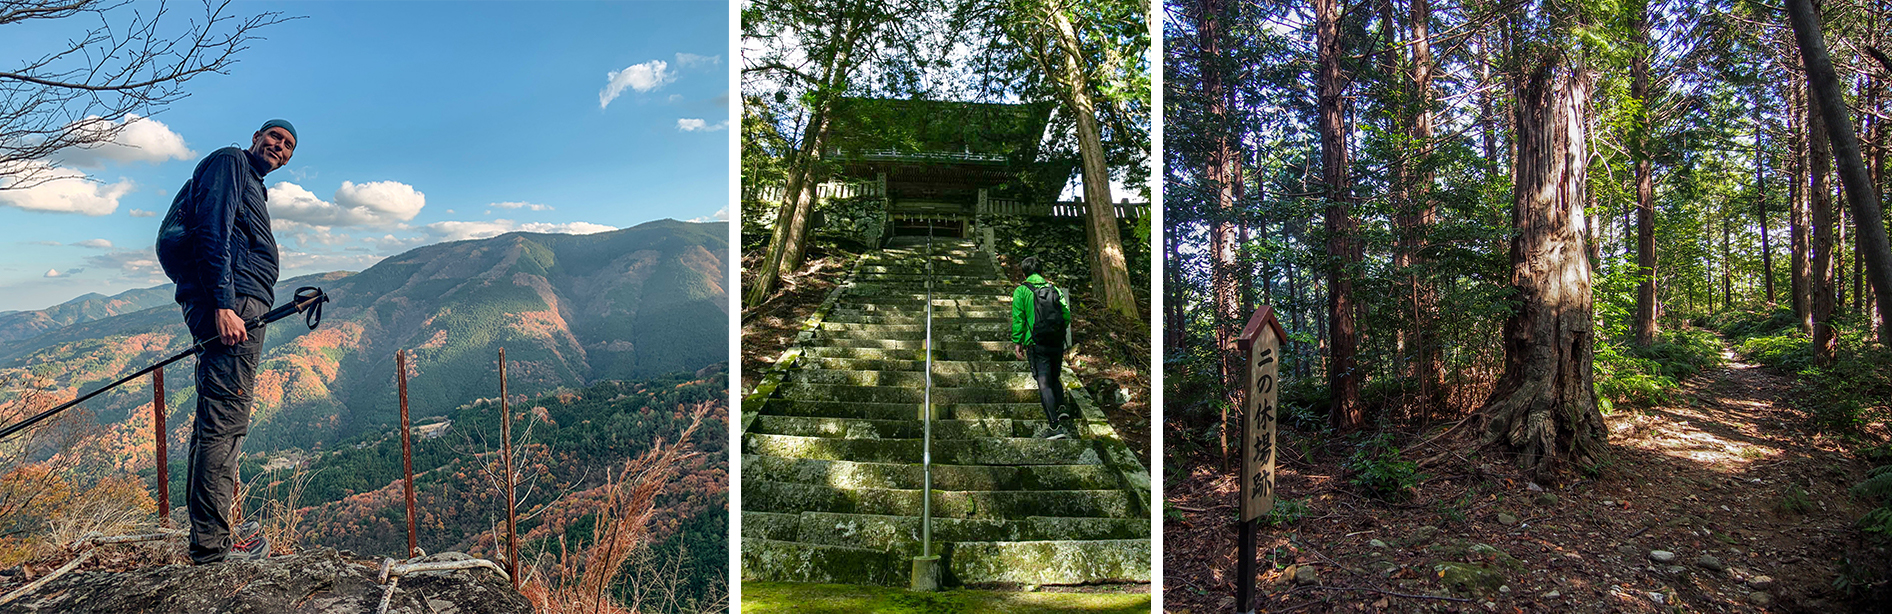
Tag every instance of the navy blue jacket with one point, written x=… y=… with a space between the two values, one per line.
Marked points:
x=215 y=242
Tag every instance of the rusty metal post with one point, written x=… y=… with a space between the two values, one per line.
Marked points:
x=512 y=504
x=407 y=451
x=163 y=458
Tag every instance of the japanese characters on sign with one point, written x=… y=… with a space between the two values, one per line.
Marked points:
x=1262 y=343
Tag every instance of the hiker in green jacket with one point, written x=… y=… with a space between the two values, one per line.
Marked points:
x=1041 y=330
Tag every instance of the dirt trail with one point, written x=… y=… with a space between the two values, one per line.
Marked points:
x=1747 y=506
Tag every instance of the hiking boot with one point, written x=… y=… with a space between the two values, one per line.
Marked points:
x=1058 y=433
x=250 y=543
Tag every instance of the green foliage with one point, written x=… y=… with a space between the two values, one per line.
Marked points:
x=1793 y=500
x=1286 y=512
x=1377 y=467
x=1648 y=376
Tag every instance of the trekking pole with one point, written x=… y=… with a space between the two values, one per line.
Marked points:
x=308 y=302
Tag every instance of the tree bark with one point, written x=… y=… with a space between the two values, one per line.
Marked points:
x=1418 y=210
x=1645 y=324
x=1797 y=217
x=1820 y=286
x=1544 y=407
x=1343 y=250
x=788 y=242
x=1110 y=271
x=1224 y=175
x=1760 y=201
x=1861 y=195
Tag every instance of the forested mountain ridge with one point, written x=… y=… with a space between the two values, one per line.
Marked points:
x=22 y=325
x=569 y=309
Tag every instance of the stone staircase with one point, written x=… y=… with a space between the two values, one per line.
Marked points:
x=832 y=480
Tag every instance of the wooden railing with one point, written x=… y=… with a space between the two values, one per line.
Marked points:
x=999 y=206
x=774 y=193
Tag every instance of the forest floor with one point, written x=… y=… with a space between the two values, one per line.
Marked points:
x=1726 y=500
x=769 y=328
x=792 y=598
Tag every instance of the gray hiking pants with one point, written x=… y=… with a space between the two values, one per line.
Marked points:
x=225 y=377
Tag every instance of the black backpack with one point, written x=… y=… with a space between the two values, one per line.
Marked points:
x=1048 y=322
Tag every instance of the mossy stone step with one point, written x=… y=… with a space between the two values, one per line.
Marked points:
x=939 y=366
x=851 y=474
x=856 y=428
x=897 y=394
x=781 y=497
x=997 y=380
x=917 y=297
x=993 y=326
x=1049 y=562
x=885 y=268
x=981 y=451
x=918 y=344
x=901 y=534
x=990 y=311
x=902 y=411
x=856 y=317
x=939 y=333
x=786 y=561
x=939 y=354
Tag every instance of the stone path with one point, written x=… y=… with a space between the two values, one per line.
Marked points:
x=831 y=467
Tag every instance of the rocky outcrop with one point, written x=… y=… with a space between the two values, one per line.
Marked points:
x=318 y=581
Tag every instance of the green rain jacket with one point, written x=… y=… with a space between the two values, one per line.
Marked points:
x=1024 y=316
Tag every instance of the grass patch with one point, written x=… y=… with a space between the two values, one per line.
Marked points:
x=796 y=598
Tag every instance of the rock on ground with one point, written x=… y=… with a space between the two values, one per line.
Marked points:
x=318 y=581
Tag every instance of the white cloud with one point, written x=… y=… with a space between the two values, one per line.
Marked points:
x=640 y=77
x=721 y=215
x=305 y=261
x=135 y=265
x=376 y=203
x=142 y=213
x=95 y=244
x=691 y=60
x=459 y=231
x=690 y=124
x=142 y=139
x=527 y=206
x=61 y=190
x=49 y=243
x=52 y=273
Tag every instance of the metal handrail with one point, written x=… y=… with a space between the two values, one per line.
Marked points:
x=926 y=449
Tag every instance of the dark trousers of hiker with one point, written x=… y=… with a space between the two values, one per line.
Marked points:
x=226 y=376
x=1047 y=365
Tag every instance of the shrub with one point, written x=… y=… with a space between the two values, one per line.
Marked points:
x=1377 y=467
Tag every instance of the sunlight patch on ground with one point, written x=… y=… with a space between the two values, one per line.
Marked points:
x=1683 y=440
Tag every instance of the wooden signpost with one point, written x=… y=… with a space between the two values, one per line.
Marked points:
x=1260 y=345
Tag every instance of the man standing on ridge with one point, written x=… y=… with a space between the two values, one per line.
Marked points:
x=215 y=243
x=1041 y=330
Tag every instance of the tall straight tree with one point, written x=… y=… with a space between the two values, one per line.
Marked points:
x=1760 y=200
x=1797 y=222
x=1223 y=174
x=1639 y=144
x=1543 y=408
x=1861 y=195
x=831 y=45
x=1343 y=246
x=1820 y=286
x=1047 y=32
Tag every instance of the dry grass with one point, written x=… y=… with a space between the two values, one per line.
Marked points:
x=579 y=582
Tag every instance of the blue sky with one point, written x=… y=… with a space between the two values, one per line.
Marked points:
x=420 y=122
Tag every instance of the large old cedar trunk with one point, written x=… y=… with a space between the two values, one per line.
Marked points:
x=1223 y=173
x=1544 y=407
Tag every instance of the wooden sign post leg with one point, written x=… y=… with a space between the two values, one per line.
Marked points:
x=1245 y=569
